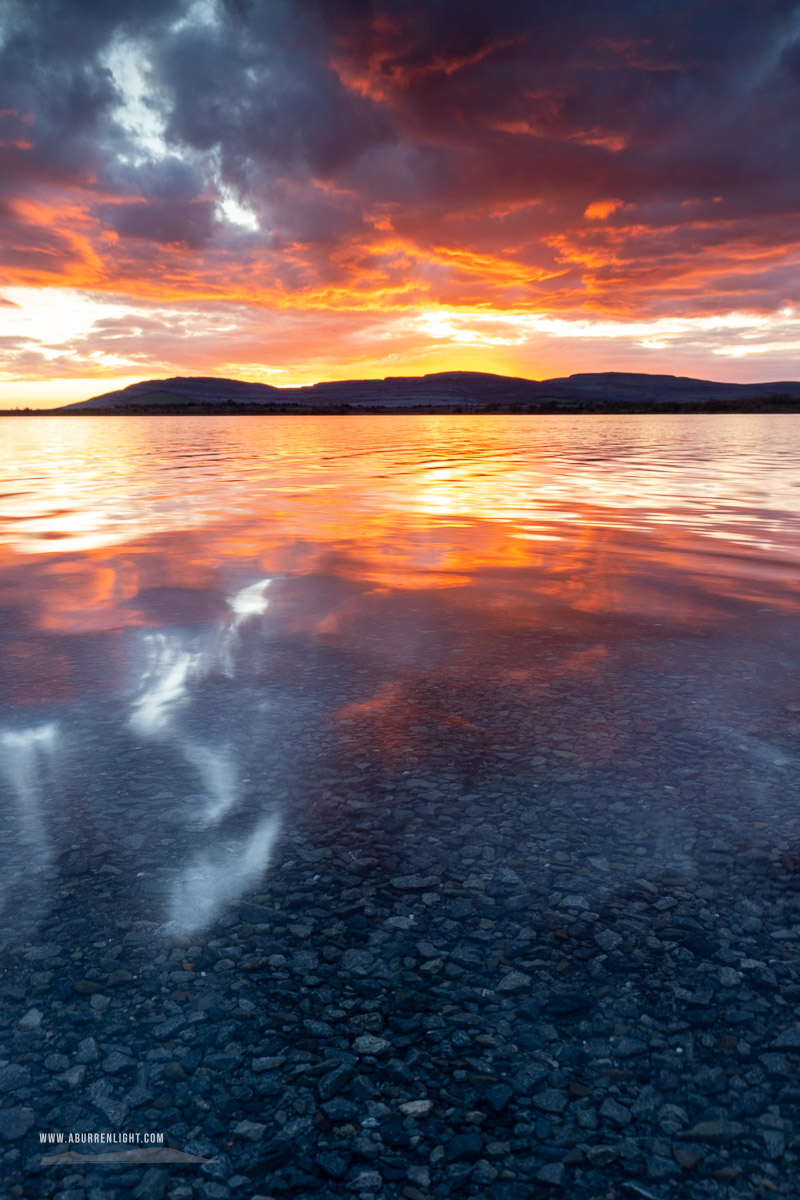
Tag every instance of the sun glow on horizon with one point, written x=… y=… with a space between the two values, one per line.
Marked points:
x=328 y=194
x=97 y=345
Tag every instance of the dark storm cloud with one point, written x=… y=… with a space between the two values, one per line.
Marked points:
x=169 y=209
x=327 y=117
x=50 y=70
x=259 y=84
x=187 y=224
x=262 y=91
x=648 y=97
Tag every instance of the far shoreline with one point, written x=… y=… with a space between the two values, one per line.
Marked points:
x=554 y=407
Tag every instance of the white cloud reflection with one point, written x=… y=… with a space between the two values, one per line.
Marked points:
x=29 y=763
x=212 y=880
x=174 y=668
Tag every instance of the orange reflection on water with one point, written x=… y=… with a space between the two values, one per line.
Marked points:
x=407 y=541
x=493 y=578
x=400 y=718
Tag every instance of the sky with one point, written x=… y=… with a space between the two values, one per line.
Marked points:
x=297 y=190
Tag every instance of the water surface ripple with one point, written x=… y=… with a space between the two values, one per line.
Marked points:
x=442 y=749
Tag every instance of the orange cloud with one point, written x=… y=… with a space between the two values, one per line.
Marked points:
x=354 y=172
x=598 y=210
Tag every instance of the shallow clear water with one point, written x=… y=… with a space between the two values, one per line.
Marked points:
x=209 y=623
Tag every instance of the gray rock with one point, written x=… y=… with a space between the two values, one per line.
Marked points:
x=153 y=1184
x=252 y=1131
x=15 y=1122
x=56 y=1062
x=413 y=883
x=87 y=1051
x=601 y=1156
x=514 y=982
x=271 y=1063
x=789 y=1039
x=140 y=1092
x=101 y=1097
x=499 y=1095
x=660 y=1167
x=416 y=1108
x=212 y=1190
x=75 y=1076
x=626 y=1047
x=367 y=1181
x=357 y=960
x=115 y=1062
x=607 y=939
x=368 y=1044
x=364 y=1147
x=775 y=1142
x=526 y=1079
x=334 y=1081
x=87 y=987
x=687 y=1157
x=714 y=1133
x=32 y=1019
x=483 y=1173
x=553 y=1173
x=333 y=1164
x=339 y=1109
x=551 y=1100
x=12 y=1077
x=173 y=1071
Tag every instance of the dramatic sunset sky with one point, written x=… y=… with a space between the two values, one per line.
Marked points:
x=296 y=190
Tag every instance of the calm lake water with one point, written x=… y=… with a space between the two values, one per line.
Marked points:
x=211 y=624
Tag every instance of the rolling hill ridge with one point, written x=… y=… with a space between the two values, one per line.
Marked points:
x=467 y=390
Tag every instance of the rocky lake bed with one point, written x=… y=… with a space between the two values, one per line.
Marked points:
x=479 y=968
x=400 y=808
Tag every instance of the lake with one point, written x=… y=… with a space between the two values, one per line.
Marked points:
x=202 y=610
x=335 y=734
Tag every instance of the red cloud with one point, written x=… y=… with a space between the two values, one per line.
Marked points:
x=624 y=163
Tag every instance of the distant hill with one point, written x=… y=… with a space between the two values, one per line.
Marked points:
x=447 y=390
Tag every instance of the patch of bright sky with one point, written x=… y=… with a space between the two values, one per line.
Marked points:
x=742 y=351
x=199 y=12
x=61 y=314
x=455 y=327
x=138 y=114
x=59 y=323
x=255 y=372
x=52 y=393
x=229 y=205
x=236 y=213
x=515 y=328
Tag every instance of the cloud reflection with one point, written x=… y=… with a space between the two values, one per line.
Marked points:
x=447 y=596
x=29 y=764
x=203 y=888
x=164 y=680
x=175 y=669
x=220 y=777
x=249 y=602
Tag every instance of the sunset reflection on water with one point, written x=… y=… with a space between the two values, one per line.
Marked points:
x=409 y=590
x=109 y=524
